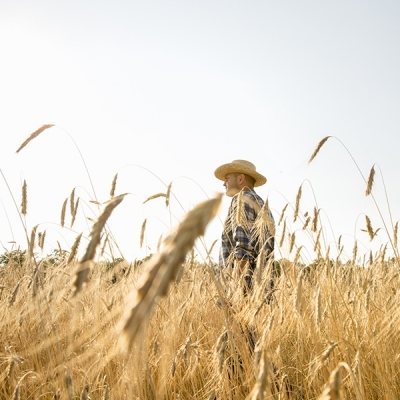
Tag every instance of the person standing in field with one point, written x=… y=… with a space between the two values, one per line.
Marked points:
x=247 y=239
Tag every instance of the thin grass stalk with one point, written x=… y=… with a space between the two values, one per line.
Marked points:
x=16 y=207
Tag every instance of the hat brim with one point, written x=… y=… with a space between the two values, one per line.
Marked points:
x=225 y=169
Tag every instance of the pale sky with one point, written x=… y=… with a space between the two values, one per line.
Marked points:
x=163 y=91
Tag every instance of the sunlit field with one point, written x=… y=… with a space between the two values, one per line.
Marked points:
x=83 y=323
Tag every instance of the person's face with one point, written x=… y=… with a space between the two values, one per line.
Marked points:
x=231 y=184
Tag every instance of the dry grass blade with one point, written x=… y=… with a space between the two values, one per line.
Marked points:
x=395 y=235
x=113 y=185
x=155 y=196
x=318 y=148
x=85 y=262
x=34 y=135
x=24 y=202
x=163 y=268
x=370 y=182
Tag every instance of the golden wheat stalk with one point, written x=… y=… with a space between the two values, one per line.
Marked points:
x=239 y=215
x=318 y=148
x=283 y=234
x=306 y=222
x=297 y=206
x=297 y=255
x=13 y=296
x=395 y=235
x=262 y=389
x=155 y=196
x=41 y=237
x=370 y=182
x=299 y=293
x=292 y=241
x=163 y=268
x=84 y=267
x=72 y=201
x=75 y=212
x=74 y=248
x=142 y=230
x=24 y=202
x=332 y=391
x=168 y=195
x=282 y=214
x=369 y=227
x=355 y=249
x=34 y=135
x=315 y=220
x=33 y=237
x=113 y=185
x=318 y=313
x=103 y=248
x=63 y=211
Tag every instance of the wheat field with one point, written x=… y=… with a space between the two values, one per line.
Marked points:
x=81 y=327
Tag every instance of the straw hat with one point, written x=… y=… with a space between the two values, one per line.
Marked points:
x=240 y=167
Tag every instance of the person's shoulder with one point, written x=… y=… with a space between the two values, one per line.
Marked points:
x=254 y=196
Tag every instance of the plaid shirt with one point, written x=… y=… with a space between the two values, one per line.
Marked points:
x=248 y=229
